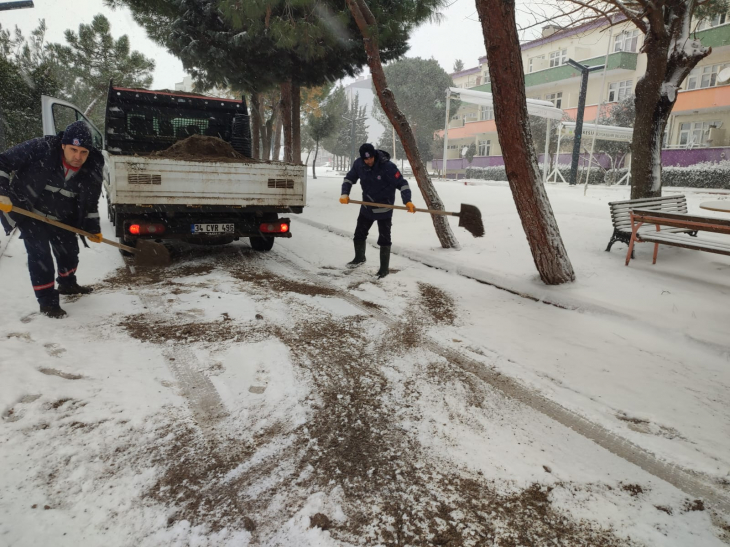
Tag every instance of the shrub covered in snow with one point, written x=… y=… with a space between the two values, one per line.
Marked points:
x=499 y=173
x=701 y=175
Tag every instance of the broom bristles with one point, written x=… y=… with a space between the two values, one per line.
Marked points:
x=470 y=218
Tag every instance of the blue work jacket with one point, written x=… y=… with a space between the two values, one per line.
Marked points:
x=39 y=175
x=379 y=184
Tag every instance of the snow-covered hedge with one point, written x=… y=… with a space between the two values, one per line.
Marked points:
x=701 y=175
x=499 y=173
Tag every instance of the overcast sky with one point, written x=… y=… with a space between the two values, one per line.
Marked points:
x=458 y=36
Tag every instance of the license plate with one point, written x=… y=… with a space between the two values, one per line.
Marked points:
x=212 y=228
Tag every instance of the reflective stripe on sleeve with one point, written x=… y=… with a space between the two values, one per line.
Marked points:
x=37 y=212
x=92 y=215
x=61 y=191
x=405 y=187
x=10 y=220
x=4 y=174
x=381 y=210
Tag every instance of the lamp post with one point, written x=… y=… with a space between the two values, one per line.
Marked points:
x=16 y=5
x=584 y=70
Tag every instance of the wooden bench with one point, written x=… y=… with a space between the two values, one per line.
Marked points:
x=675 y=221
x=621 y=215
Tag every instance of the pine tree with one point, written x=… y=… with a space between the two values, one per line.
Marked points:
x=26 y=73
x=91 y=58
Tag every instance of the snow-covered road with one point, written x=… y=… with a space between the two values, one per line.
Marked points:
x=236 y=398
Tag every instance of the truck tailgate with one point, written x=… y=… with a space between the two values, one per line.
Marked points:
x=159 y=181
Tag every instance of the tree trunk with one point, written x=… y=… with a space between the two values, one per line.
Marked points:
x=277 y=134
x=670 y=55
x=286 y=118
x=368 y=28
x=296 y=125
x=316 y=151
x=513 y=130
x=256 y=125
x=91 y=106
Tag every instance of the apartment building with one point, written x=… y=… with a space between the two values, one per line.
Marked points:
x=698 y=128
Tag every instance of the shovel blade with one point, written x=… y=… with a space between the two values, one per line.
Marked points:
x=470 y=218
x=151 y=254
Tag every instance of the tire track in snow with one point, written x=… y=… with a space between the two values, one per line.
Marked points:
x=204 y=401
x=617 y=445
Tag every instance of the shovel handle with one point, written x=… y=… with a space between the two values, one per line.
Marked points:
x=70 y=228
x=432 y=211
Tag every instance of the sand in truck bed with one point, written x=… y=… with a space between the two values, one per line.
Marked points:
x=204 y=148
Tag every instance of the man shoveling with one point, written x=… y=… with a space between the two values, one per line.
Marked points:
x=58 y=177
x=379 y=178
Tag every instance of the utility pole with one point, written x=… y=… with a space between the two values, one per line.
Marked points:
x=584 y=70
x=16 y=5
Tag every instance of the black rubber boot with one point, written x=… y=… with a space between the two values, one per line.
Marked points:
x=359 y=254
x=55 y=312
x=384 y=262
x=74 y=289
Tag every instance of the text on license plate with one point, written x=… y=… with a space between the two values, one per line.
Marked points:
x=213 y=228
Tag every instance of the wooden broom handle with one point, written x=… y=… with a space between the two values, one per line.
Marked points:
x=434 y=211
x=70 y=228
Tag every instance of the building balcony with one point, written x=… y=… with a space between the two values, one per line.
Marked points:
x=715 y=37
x=623 y=60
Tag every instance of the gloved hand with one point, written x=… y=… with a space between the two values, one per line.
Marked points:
x=411 y=208
x=96 y=238
x=344 y=199
x=5 y=204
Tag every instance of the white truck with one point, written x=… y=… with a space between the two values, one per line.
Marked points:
x=193 y=198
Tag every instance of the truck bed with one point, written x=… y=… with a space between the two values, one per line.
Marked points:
x=140 y=180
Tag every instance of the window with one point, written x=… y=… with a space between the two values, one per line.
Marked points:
x=704 y=76
x=487 y=79
x=695 y=134
x=558 y=58
x=715 y=21
x=618 y=91
x=626 y=41
x=486 y=113
x=484 y=148
x=533 y=63
x=469 y=116
x=555 y=98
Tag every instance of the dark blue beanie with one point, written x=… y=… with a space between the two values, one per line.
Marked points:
x=367 y=150
x=78 y=134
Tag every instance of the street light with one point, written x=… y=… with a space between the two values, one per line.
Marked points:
x=16 y=5
x=584 y=70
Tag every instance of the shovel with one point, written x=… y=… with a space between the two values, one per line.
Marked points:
x=470 y=217
x=147 y=253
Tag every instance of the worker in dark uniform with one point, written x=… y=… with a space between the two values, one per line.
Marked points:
x=379 y=178
x=59 y=177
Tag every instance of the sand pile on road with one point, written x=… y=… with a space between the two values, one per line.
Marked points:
x=203 y=148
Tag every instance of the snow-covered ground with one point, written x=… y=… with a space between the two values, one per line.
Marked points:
x=234 y=397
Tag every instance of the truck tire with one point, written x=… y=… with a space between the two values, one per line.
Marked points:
x=261 y=243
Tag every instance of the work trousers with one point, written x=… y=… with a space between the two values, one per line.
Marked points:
x=363 y=227
x=43 y=242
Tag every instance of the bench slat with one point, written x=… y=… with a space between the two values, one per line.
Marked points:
x=687 y=243
x=662 y=199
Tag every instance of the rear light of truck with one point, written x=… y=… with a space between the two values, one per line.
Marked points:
x=146 y=229
x=274 y=228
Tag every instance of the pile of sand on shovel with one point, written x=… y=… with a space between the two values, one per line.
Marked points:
x=203 y=148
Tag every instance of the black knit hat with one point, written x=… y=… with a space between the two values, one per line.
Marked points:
x=367 y=150
x=78 y=134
